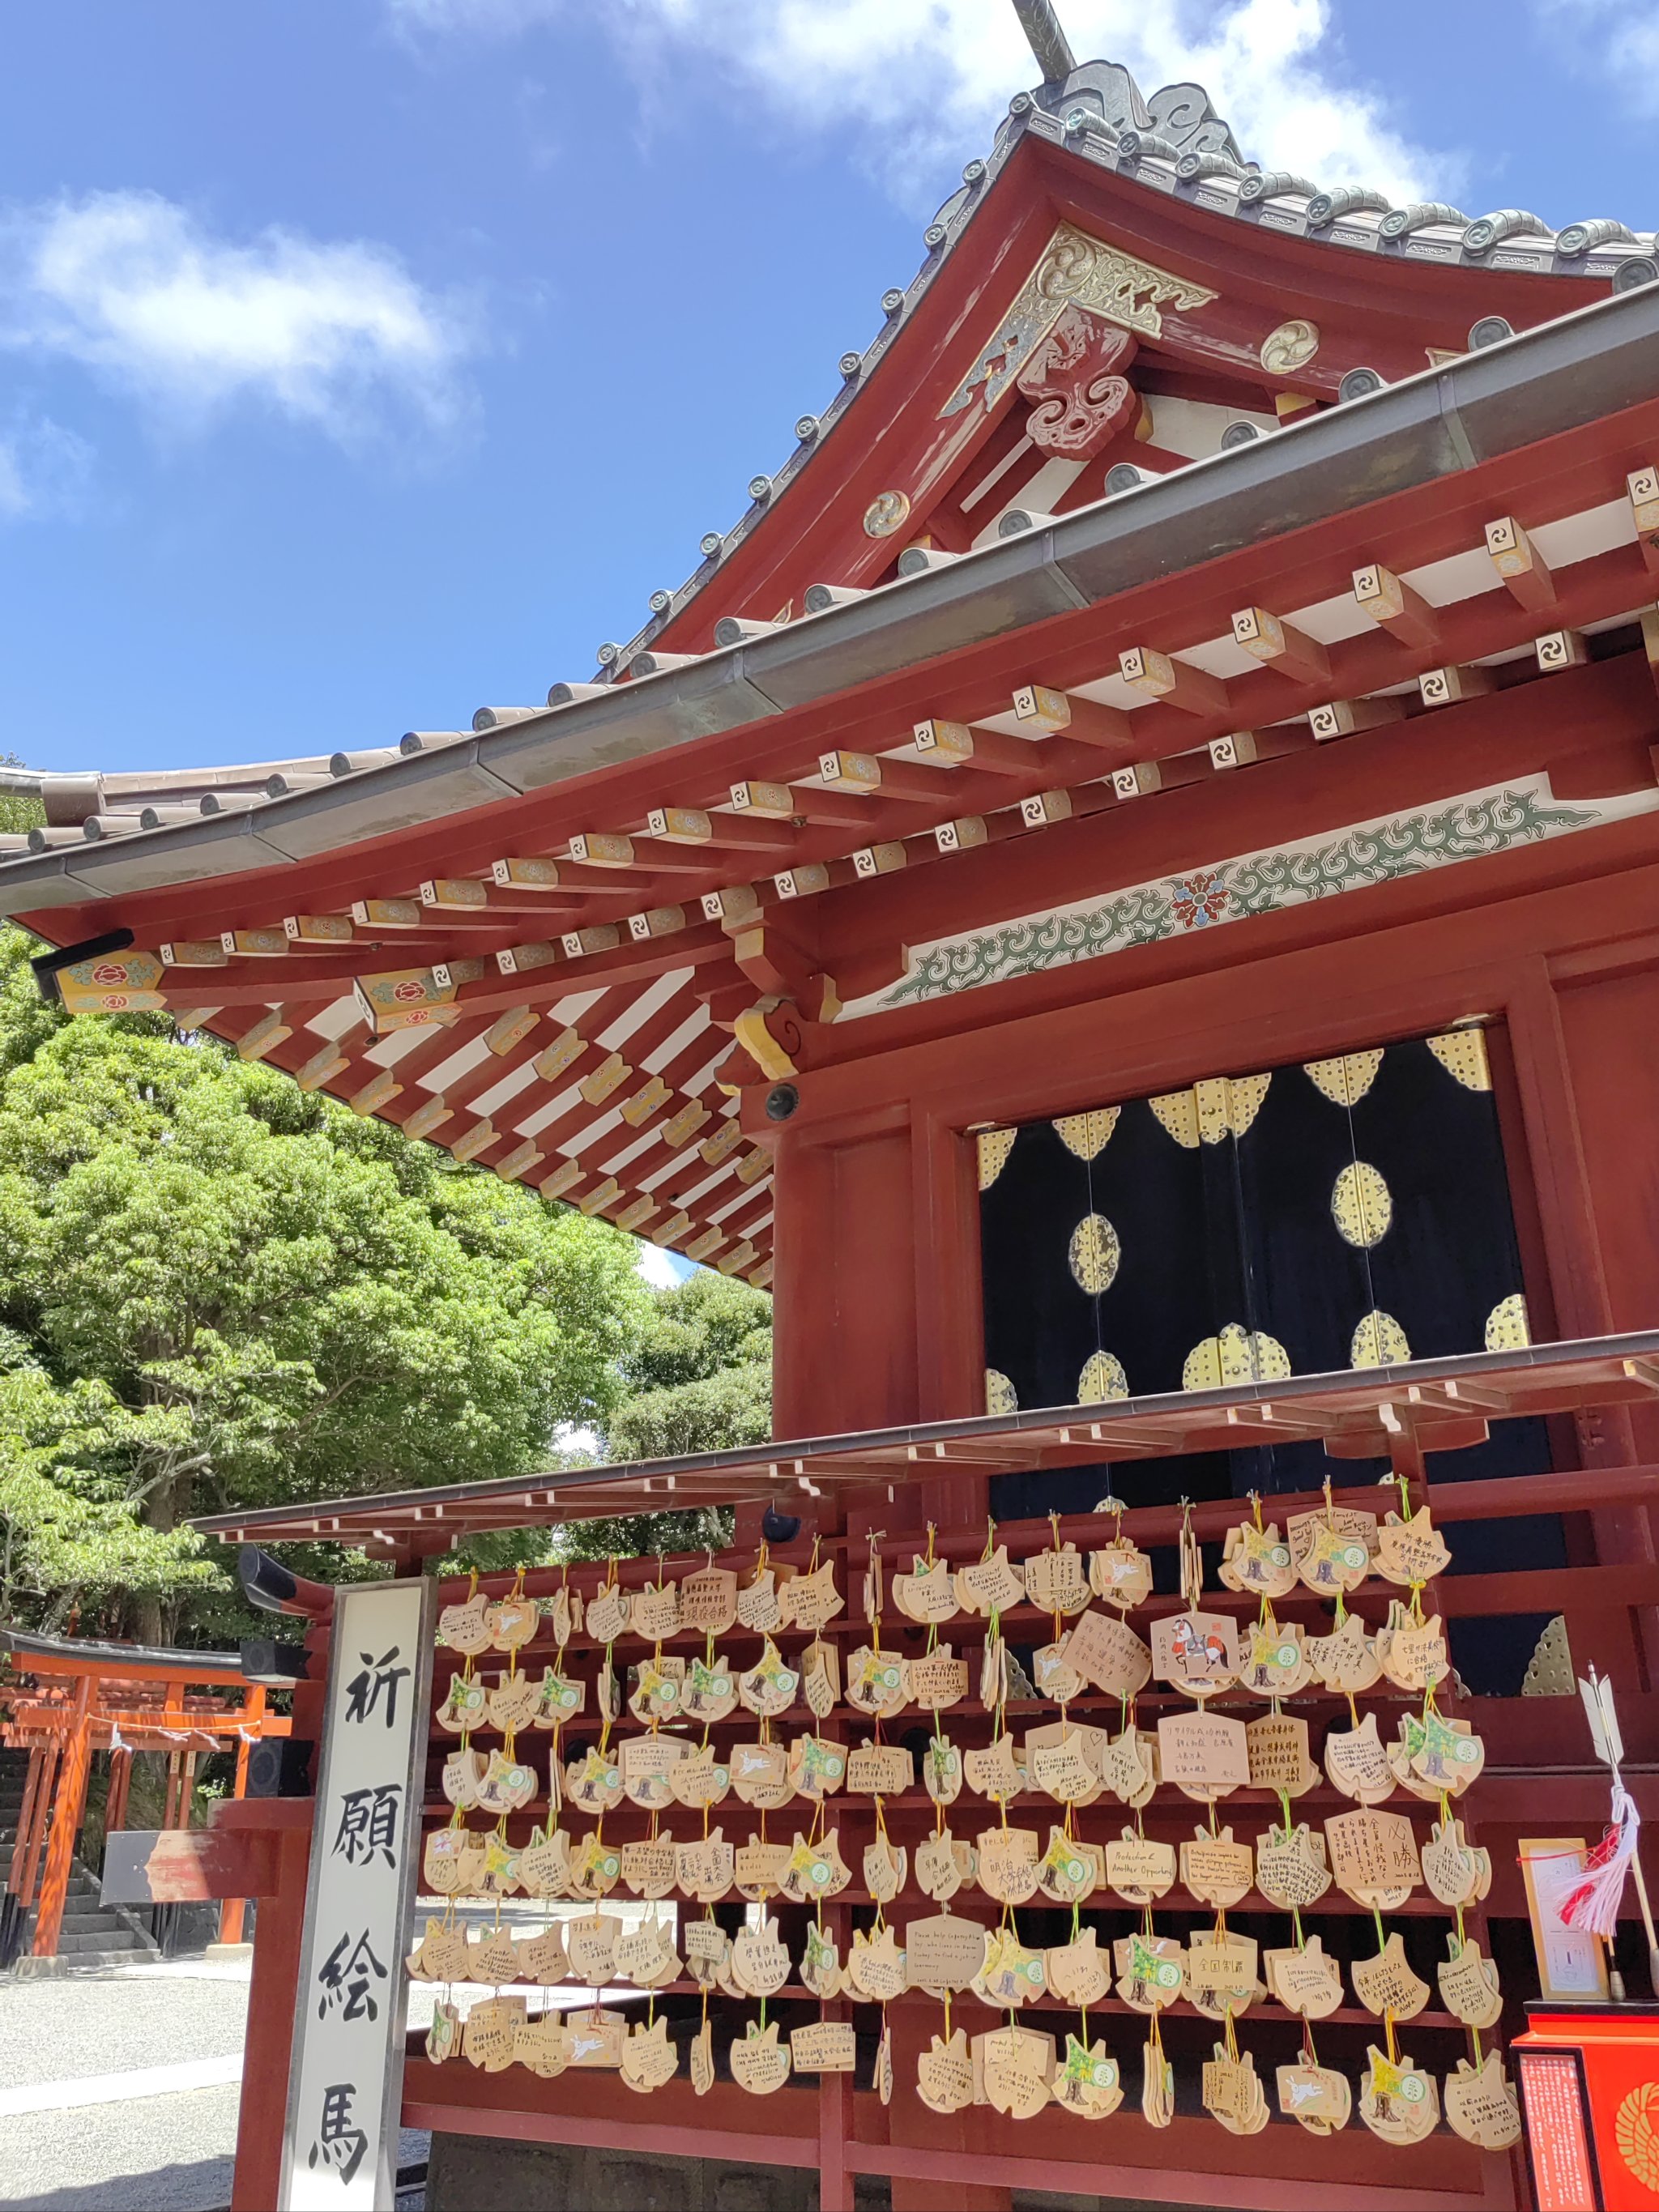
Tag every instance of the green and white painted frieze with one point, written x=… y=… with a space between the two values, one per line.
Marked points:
x=1440 y=835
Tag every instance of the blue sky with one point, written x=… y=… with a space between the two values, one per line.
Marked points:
x=364 y=361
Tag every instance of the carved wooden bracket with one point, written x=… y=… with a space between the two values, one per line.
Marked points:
x=1082 y=400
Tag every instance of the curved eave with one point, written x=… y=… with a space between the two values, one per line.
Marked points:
x=1351 y=1403
x=81 y=1655
x=1219 y=225
x=1595 y=363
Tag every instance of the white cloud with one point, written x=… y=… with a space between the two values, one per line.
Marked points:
x=658 y=1268
x=44 y=468
x=329 y=335
x=925 y=81
x=1610 y=40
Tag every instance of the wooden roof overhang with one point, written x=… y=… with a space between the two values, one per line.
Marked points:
x=1436 y=1405
x=1545 y=429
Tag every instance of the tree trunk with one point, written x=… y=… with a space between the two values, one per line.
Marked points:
x=160 y=1510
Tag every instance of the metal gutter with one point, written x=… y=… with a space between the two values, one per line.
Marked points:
x=1578 y=369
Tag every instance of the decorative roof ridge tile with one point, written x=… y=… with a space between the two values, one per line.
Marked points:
x=1173 y=141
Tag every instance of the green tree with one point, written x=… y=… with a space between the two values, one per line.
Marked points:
x=699 y=1371
x=227 y=1291
x=18 y=810
x=699 y=1376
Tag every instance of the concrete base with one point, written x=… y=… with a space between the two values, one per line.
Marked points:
x=483 y=2173
x=222 y=1952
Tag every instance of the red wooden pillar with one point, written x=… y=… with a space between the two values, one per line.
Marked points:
x=120 y=1789
x=68 y=1805
x=170 y=1810
x=34 y=1837
x=19 y=1842
x=267 y=2052
x=234 y=1910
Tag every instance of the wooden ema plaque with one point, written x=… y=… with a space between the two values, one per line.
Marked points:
x=1056 y=1788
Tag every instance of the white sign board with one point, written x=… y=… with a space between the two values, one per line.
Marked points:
x=345 y=2079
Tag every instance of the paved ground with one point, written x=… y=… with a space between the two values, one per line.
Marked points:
x=118 y=2090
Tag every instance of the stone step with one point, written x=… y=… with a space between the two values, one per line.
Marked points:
x=101 y=1939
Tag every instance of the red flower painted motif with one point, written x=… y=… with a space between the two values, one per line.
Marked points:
x=1199 y=900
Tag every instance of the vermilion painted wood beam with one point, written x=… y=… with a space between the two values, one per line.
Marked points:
x=1279 y=644
x=869 y=774
x=1642 y=486
x=699 y=828
x=1564 y=475
x=1056 y=713
x=1522 y=569
x=68 y=1803
x=1028 y=763
x=1172 y=682
x=640 y=856
x=630 y=1054
x=787 y=802
x=1468 y=631
x=1398 y=606
x=581 y=1115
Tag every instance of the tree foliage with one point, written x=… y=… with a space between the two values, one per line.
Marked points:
x=220 y=1291
x=699 y=1373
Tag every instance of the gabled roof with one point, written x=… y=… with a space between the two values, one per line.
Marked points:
x=1143 y=162
x=582 y=899
x=1173 y=146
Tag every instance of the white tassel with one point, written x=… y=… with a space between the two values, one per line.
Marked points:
x=1592 y=1906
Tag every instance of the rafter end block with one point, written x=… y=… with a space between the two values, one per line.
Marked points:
x=509 y=1029
x=772 y=802
x=943 y=745
x=871 y=860
x=1643 y=486
x=1174 y=682
x=1391 y=602
x=1279 y=644
x=524 y=875
x=680 y=826
x=566 y=1050
x=804 y=882
x=732 y=904
x=655 y=921
x=1521 y=569
x=1342 y=718
x=1452 y=685
x=563 y=1178
x=1560 y=649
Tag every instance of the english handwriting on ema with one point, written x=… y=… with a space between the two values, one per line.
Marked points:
x=368 y=1825
x=339 y=2142
x=364 y=1691
x=346 y=1978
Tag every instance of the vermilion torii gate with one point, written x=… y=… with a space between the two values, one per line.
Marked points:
x=71 y=1698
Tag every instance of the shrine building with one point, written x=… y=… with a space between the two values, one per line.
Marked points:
x=1124 y=890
